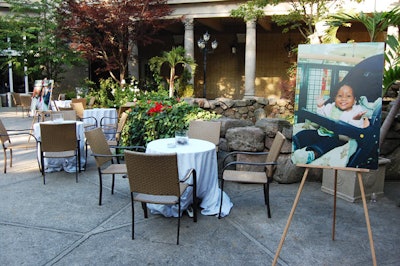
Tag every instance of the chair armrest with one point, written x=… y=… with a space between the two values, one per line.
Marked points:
x=90 y=117
x=128 y=147
x=248 y=163
x=20 y=134
x=106 y=155
x=242 y=152
x=108 y=117
x=190 y=172
x=18 y=130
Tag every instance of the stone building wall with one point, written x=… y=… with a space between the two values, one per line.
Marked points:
x=250 y=109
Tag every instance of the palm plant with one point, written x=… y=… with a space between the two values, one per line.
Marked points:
x=376 y=23
x=174 y=58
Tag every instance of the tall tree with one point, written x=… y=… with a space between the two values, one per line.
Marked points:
x=106 y=31
x=302 y=16
x=31 y=27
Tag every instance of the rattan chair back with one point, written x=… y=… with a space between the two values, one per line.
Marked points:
x=98 y=145
x=17 y=102
x=4 y=137
x=79 y=100
x=205 y=130
x=58 y=137
x=153 y=174
x=26 y=101
x=69 y=115
x=274 y=152
x=59 y=141
x=91 y=102
x=121 y=124
x=78 y=108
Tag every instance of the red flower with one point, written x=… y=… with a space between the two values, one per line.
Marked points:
x=156 y=109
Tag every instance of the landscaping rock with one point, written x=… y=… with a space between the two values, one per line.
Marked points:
x=227 y=123
x=271 y=125
x=245 y=139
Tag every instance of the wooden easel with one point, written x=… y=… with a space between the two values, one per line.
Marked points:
x=358 y=172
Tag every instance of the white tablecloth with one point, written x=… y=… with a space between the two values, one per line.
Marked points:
x=66 y=164
x=200 y=155
x=99 y=113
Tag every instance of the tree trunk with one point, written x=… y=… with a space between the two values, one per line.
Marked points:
x=171 y=82
x=389 y=120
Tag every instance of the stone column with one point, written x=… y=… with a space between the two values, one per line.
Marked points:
x=189 y=41
x=250 y=59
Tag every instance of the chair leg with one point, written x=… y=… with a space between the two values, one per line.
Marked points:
x=266 y=198
x=76 y=167
x=11 y=157
x=222 y=194
x=100 y=186
x=144 y=207
x=43 y=172
x=86 y=153
x=112 y=184
x=133 y=216
x=5 y=160
x=179 y=220
x=194 y=196
x=79 y=156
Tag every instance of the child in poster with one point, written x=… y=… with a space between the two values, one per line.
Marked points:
x=344 y=130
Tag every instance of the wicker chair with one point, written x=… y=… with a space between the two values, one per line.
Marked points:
x=205 y=130
x=92 y=100
x=17 y=143
x=17 y=102
x=90 y=122
x=69 y=115
x=250 y=175
x=105 y=158
x=26 y=101
x=80 y=100
x=117 y=130
x=154 y=178
x=59 y=141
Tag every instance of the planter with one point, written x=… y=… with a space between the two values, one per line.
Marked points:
x=347 y=182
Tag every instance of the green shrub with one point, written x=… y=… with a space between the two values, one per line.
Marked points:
x=155 y=116
x=110 y=93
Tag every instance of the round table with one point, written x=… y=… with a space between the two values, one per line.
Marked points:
x=110 y=117
x=200 y=155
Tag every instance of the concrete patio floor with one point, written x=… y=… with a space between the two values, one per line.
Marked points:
x=61 y=223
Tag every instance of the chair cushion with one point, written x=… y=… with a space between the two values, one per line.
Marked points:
x=115 y=169
x=59 y=154
x=112 y=142
x=245 y=176
x=157 y=199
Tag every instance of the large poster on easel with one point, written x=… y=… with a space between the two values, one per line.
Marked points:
x=41 y=96
x=338 y=105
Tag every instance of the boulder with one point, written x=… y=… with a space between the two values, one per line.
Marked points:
x=227 y=123
x=271 y=125
x=245 y=139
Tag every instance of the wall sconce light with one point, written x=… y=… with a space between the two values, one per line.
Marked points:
x=289 y=46
x=233 y=49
